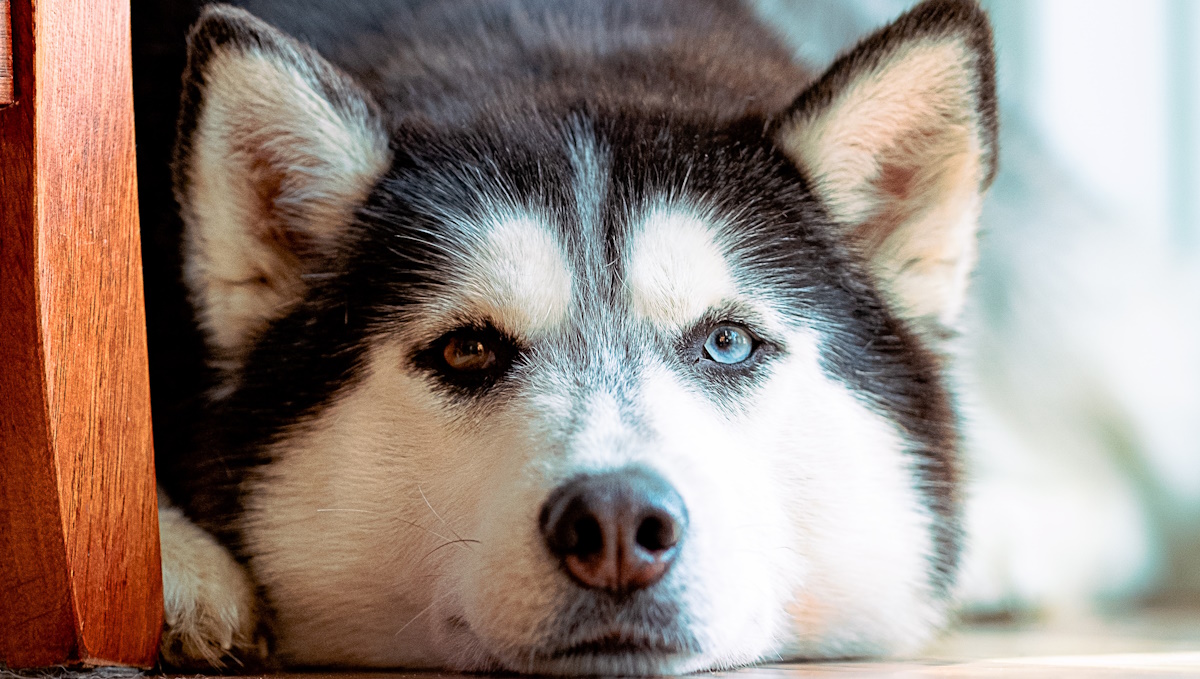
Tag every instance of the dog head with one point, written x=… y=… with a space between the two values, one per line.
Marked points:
x=587 y=388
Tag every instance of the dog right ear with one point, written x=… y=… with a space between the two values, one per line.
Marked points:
x=898 y=139
x=275 y=149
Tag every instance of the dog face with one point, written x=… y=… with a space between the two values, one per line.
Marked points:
x=592 y=389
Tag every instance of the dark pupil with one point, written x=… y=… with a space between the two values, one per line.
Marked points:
x=725 y=339
x=468 y=354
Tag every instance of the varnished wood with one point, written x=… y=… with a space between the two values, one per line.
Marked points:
x=6 y=61
x=79 y=562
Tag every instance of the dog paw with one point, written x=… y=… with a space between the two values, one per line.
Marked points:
x=208 y=598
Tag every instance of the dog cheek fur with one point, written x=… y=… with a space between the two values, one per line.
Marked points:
x=341 y=523
x=841 y=523
x=737 y=563
x=389 y=515
x=509 y=586
x=864 y=535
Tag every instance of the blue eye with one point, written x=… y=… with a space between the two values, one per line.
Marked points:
x=729 y=344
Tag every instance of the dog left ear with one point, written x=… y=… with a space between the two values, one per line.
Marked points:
x=898 y=138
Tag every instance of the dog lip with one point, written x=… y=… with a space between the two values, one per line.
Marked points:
x=618 y=644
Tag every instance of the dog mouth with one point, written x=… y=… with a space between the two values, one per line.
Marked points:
x=616 y=652
x=647 y=635
x=645 y=632
x=621 y=645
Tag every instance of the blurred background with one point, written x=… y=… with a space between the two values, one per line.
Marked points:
x=1079 y=360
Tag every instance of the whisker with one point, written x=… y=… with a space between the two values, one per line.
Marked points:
x=414 y=619
x=439 y=516
x=414 y=524
x=460 y=541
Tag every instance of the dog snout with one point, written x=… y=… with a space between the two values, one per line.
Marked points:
x=617 y=531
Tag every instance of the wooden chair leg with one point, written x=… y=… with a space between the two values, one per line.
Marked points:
x=6 y=75
x=80 y=578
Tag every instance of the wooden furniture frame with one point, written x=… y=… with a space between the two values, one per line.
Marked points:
x=80 y=579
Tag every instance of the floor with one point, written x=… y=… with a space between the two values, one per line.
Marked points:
x=1157 y=643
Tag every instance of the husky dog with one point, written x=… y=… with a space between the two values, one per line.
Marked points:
x=571 y=337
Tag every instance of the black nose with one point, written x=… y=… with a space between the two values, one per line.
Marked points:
x=617 y=531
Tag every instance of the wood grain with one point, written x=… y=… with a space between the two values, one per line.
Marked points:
x=6 y=56
x=79 y=559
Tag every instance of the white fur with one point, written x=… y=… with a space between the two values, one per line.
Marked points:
x=514 y=272
x=676 y=269
x=803 y=500
x=209 y=610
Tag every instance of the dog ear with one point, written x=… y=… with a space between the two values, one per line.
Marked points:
x=898 y=138
x=275 y=149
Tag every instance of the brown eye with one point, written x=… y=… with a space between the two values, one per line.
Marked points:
x=469 y=354
x=471 y=358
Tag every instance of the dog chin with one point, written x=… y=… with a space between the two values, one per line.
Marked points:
x=614 y=653
x=600 y=659
x=630 y=663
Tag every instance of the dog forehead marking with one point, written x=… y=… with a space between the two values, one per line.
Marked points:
x=675 y=268
x=519 y=279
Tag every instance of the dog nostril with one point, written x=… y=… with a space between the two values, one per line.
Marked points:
x=589 y=538
x=657 y=533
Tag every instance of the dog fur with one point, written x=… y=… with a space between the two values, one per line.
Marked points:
x=591 y=188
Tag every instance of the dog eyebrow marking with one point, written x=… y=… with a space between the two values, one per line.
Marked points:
x=518 y=278
x=675 y=268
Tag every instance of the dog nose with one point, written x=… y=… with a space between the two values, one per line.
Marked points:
x=617 y=531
